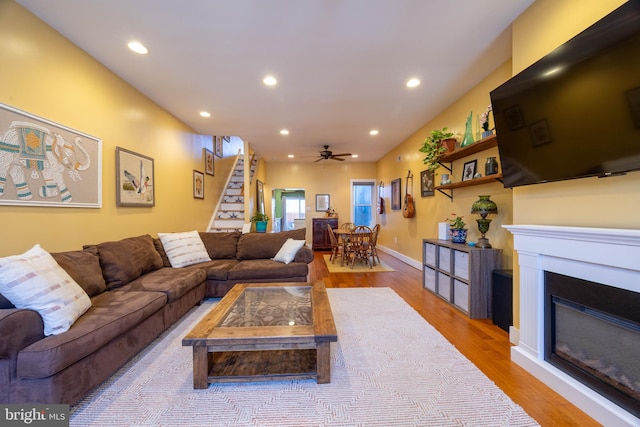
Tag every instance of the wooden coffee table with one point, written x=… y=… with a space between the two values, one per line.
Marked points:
x=264 y=331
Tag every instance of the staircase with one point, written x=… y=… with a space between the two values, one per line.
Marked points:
x=229 y=215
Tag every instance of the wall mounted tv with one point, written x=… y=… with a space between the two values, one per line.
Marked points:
x=576 y=112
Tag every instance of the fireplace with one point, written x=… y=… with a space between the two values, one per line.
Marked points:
x=592 y=332
x=579 y=285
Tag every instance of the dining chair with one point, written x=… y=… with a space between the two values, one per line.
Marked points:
x=359 y=245
x=373 y=252
x=337 y=250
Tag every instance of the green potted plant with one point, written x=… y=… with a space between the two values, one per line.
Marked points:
x=260 y=220
x=435 y=145
x=457 y=230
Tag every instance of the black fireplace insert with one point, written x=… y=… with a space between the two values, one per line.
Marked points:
x=592 y=332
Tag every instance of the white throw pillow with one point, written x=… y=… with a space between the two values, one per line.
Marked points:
x=35 y=281
x=184 y=249
x=289 y=250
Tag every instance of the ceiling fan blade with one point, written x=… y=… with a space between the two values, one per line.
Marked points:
x=343 y=154
x=337 y=158
x=316 y=161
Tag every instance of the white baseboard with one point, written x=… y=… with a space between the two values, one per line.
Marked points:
x=514 y=335
x=410 y=261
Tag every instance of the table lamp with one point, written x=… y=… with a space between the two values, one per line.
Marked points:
x=484 y=207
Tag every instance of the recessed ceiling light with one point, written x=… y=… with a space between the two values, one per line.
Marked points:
x=355 y=156
x=284 y=132
x=269 y=81
x=138 y=47
x=205 y=114
x=373 y=132
x=291 y=156
x=413 y=82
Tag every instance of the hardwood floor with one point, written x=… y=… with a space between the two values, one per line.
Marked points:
x=482 y=342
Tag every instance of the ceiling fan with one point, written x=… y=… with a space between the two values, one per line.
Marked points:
x=326 y=155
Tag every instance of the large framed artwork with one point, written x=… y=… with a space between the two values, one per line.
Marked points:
x=135 y=184
x=396 y=191
x=322 y=202
x=43 y=163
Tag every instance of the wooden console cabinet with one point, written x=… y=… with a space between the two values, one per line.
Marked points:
x=321 y=240
x=460 y=274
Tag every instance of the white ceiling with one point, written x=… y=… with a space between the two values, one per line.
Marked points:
x=341 y=65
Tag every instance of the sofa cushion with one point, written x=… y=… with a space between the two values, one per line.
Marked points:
x=127 y=259
x=288 y=251
x=84 y=267
x=34 y=280
x=265 y=245
x=111 y=314
x=252 y=269
x=184 y=249
x=217 y=269
x=174 y=282
x=221 y=245
x=165 y=260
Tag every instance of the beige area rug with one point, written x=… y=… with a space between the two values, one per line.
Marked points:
x=388 y=368
x=359 y=267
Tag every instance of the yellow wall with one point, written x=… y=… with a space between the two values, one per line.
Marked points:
x=325 y=177
x=588 y=202
x=46 y=75
x=432 y=210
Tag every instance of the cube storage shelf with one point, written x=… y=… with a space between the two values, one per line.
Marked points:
x=460 y=274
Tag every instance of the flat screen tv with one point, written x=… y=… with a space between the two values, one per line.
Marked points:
x=576 y=112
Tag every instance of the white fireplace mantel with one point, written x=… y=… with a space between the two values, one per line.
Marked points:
x=603 y=255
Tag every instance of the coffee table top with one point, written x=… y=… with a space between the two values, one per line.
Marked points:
x=271 y=314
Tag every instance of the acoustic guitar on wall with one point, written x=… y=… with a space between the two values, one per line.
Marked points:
x=409 y=209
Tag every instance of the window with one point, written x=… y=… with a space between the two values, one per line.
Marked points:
x=362 y=202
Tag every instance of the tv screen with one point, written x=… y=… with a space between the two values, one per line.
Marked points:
x=576 y=112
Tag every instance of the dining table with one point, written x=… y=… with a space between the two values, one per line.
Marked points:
x=343 y=234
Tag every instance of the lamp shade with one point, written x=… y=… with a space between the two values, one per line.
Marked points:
x=484 y=206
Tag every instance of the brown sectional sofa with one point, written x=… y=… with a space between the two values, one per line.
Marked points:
x=135 y=296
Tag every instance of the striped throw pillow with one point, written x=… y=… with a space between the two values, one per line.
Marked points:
x=35 y=281
x=184 y=249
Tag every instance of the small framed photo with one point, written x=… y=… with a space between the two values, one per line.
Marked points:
x=322 y=202
x=135 y=184
x=426 y=183
x=198 y=184
x=469 y=170
x=218 y=145
x=259 y=196
x=395 y=195
x=208 y=162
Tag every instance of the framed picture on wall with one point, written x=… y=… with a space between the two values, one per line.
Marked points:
x=259 y=196
x=135 y=184
x=208 y=162
x=43 y=163
x=469 y=170
x=217 y=142
x=396 y=203
x=198 y=184
x=322 y=202
x=426 y=183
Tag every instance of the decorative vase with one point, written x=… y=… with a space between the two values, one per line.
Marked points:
x=261 y=226
x=491 y=167
x=468 y=135
x=487 y=134
x=444 y=180
x=458 y=235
